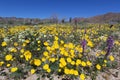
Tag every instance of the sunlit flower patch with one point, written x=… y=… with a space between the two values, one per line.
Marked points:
x=57 y=50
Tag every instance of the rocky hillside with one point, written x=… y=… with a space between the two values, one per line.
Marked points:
x=105 y=18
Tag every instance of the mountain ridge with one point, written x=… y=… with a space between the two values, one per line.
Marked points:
x=110 y=17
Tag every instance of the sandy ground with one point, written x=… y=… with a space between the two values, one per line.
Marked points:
x=112 y=74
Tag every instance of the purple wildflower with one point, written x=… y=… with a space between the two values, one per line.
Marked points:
x=110 y=42
x=84 y=44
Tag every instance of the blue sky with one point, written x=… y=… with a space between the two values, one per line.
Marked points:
x=61 y=8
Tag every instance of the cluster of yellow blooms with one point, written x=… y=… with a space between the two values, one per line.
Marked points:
x=47 y=47
x=47 y=68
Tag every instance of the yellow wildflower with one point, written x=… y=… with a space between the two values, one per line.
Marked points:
x=46 y=66
x=49 y=70
x=116 y=42
x=111 y=58
x=38 y=42
x=45 y=53
x=8 y=57
x=13 y=50
x=83 y=63
x=56 y=38
x=97 y=54
x=66 y=53
x=59 y=70
x=66 y=71
x=78 y=62
x=1 y=63
x=35 y=34
x=82 y=76
x=52 y=59
x=76 y=72
x=69 y=60
x=21 y=56
x=27 y=41
x=73 y=63
x=90 y=44
x=15 y=44
x=104 y=65
x=62 y=59
x=24 y=44
x=60 y=65
x=46 y=43
x=14 y=69
x=71 y=45
x=4 y=44
x=55 y=45
x=48 y=48
x=32 y=71
x=105 y=61
x=22 y=50
x=37 y=62
x=62 y=42
x=72 y=51
x=63 y=62
x=71 y=71
x=98 y=66
x=103 y=52
x=27 y=55
x=8 y=65
x=38 y=49
x=89 y=63
x=80 y=55
x=43 y=59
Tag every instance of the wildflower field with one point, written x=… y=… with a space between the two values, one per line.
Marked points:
x=58 y=50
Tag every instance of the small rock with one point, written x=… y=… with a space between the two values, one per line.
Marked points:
x=113 y=71
x=3 y=78
x=32 y=77
x=100 y=77
x=57 y=77
x=88 y=78
x=111 y=77
x=119 y=75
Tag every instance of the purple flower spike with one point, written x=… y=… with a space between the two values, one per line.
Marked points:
x=84 y=44
x=110 y=42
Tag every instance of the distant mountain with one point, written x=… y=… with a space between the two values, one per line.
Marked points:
x=105 y=18
x=14 y=20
